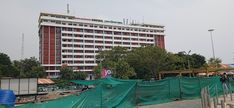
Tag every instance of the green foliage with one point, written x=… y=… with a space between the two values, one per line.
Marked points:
x=97 y=71
x=115 y=60
x=198 y=61
x=23 y=68
x=38 y=71
x=61 y=83
x=181 y=61
x=148 y=61
x=6 y=68
x=80 y=75
x=66 y=73
x=145 y=62
x=29 y=68
x=4 y=59
x=123 y=70
x=195 y=60
x=214 y=62
x=116 y=54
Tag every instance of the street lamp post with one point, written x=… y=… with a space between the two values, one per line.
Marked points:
x=212 y=42
x=188 y=58
x=100 y=59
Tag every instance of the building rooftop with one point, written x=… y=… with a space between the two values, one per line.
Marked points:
x=124 y=22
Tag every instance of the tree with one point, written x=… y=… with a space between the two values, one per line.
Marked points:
x=97 y=70
x=6 y=68
x=38 y=71
x=114 y=60
x=115 y=54
x=123 y=70
x=182 y=62
x=174 y=62
x=214 y=62
x=148 y=61
x=29 y=68
x=0 y=72
x=197 y=61
x=66 y=73
x=4 y=59
x=80 y=75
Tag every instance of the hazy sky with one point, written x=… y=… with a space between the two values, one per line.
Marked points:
x=186 y=22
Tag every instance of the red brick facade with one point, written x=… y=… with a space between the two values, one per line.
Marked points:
x=159 y=41
x=48 y=43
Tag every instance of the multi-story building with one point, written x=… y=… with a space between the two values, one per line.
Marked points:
x=72 y=41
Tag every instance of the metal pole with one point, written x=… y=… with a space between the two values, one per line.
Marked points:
x=187 y=56
x=99 y=51
x=205 y=98
x=212 y=42
x=223 y=104
x=216 y=94
x=188 y=64
x=215 y=102
x=189 y=60
x=230 y=90
x=202 y=98
x=180 y=88
x=224 y=95
x=231 y=106
x=208 y=97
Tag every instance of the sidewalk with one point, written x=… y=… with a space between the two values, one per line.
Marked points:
x=196 y=103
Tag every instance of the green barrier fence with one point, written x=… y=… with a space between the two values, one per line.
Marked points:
x=110 y=92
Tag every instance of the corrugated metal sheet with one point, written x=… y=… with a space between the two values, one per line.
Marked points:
x=45 y=81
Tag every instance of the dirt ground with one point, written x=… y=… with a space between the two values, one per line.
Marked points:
x=49 y=96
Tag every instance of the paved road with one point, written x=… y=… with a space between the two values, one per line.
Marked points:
x=190 y=103
x=177 y=104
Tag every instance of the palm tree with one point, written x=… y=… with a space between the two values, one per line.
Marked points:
x=214 y=62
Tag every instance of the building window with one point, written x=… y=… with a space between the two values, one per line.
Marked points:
x=89 y=51
x=90 y=62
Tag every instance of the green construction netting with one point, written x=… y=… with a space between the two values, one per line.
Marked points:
x=108 y=80
x=110 y=92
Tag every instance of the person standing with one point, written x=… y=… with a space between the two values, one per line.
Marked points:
x=225 y=82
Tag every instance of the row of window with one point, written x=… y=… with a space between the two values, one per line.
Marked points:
x=117 y=33
x=78 y=56
x=74 y=67
x=106 y=31
x=106 y=41
x=76 y=62
x=99 y=49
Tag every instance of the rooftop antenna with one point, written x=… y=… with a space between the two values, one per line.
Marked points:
x=22 y=47
x=143 y=20
x=68 y=11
